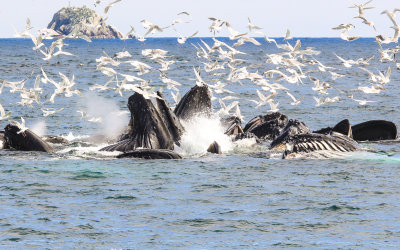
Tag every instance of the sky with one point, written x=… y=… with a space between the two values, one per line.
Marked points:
x=304 y=18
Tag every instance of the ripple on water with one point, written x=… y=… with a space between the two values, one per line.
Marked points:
x=87 y=175
x=121 y=197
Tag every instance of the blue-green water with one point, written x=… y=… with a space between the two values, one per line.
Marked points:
x=80 y=198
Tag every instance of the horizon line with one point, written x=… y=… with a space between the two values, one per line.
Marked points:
x=257 y=37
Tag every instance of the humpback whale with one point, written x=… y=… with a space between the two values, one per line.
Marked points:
x=297 y=139
x=25 y=141
x=292 y=128
x=214 y=148
x=146 y=153
x=375 y=130
x=311 y=142
x=266 y=127
x=152 y=127
x=196 y=101
x=232 y=125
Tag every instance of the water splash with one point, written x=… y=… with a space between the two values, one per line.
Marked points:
x=114 y=120
x=70 y=136
x=200 y=132
x=39 y=128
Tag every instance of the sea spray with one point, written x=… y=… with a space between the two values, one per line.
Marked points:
x=113 y=119
x=39 y=128
x=200 y=132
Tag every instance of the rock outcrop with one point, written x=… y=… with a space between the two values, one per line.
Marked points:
x=82 y=21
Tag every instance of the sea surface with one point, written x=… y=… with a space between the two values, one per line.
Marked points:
x=246 y=198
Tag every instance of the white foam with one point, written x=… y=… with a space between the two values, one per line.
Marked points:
x=88 y=152
x=200 y=132
x=70 y=136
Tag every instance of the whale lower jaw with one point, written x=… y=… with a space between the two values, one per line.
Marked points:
x=321 y=154
x=146 y=153
x=304 y=145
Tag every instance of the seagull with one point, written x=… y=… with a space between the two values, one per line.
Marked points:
x=270 y=40
x=216 y=25
x=367 y=22
x=234 y=33
x=110 y=5
x=64 y=87
x=105 y=60
x=365 y=61
x=384 y=53
x=238 y=114
x=344 y=26
x=176 y=97
x=182 y=39
x=127 y=35
x=26 y=32
x=37 y=41
x=154 y=54
x=362 y=7
x=180 y=20
x=100 y=87
x=151 y=28
x=295 y=101
x=200 y=82
x=107 y=71
x=362 y=102
x=171 y=84
x=320 y=86
x=3 y=84
x=244 y=39
x=372 y=76
x=346 y=63
x=273 y=106
x=225 y=109
x=395 y=26
x=218 y=88
x=122 y=54
x=3 y=114
x=287 y=36
x=321 y=67
x=21 y=125
x=322 y=100
x=50 y=111
x=142 y=67
x=263 y=99
x=347 y=37
x=252 y=26
x=45 y=79
x=371 y=90
x=384 y=78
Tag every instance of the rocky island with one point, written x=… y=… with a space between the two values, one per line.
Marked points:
x=83 y=21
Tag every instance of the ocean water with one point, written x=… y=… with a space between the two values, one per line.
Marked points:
x=246 y=198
